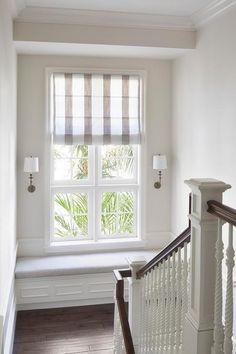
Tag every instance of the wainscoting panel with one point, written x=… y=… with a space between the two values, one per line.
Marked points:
x=72 y=290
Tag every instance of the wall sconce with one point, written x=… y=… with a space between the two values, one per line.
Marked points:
x=31 y=165
x=159 y=163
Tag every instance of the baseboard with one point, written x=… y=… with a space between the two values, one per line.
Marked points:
x=9 y=328
x=8 y=316
x=68 y=303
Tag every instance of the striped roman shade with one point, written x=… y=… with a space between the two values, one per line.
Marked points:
x=96 y=109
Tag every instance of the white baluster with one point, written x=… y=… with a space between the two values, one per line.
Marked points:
x=145 y=318
x=162 y=309
x=158 y=319
x=155 y=331
x=155 y=308
x=165 y=306
x=178 y=300
x=173 y=287
x=218 y=326
x=228 y=346
x=143 y=309
x=162 y=306
x=184 y=289
x=149 y=311
x=152 y=312
x=168 y=303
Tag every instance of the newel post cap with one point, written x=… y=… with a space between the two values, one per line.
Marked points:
x=207 y=183
x=135 y=263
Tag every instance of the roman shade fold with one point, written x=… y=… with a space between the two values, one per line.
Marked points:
x=95 y=109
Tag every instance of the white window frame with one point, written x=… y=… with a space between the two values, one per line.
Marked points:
x=96 y=241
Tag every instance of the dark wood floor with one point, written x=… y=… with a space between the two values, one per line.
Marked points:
x=87 y=329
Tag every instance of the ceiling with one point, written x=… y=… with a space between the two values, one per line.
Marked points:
x=160 y=7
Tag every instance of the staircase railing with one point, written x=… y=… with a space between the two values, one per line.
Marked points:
x=164 y=291
x=177 y=302
x=163 y=288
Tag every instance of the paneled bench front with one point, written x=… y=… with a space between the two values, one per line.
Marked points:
x=70 y=280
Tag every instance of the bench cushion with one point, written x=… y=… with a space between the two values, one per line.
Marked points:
x=33 y=267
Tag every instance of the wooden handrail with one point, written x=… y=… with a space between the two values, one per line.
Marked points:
x=119 y=277
x=178 y=242
x=222 y=211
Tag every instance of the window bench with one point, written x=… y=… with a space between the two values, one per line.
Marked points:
x=70 y=280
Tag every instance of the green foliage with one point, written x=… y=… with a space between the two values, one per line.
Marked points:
x=117 y=213
x=74 y=220
x=117 y=161
x=80 y=165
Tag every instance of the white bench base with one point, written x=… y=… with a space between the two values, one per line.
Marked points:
x=62 y=281
x=64 y=291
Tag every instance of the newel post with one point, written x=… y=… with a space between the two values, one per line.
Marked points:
x=135 y=300
x=199 y=323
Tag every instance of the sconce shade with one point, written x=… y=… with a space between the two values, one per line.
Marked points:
x=31 y=164
x=159 y=162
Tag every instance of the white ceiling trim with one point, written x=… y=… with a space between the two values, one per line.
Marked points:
x=104 y=18
x=208 y=13
x=23 y=13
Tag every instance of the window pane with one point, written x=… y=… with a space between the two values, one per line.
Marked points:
x=79 y=151
x=71 y=215
x=117 y=162
x=62 y=169
x=80 y=169
x=70 y=162
x=62 y=151
x=117 y=217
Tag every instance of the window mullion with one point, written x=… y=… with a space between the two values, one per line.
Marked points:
x=95 y=195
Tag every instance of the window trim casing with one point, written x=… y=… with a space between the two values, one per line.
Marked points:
x=67 y=247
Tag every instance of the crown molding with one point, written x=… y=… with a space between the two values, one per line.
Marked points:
x=103 y=18
x=208 y=13
x=23 y=13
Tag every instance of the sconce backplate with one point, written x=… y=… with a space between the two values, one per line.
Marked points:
x=157 y=185
x=31 y=188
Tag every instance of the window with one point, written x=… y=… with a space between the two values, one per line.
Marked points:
x=95 y=152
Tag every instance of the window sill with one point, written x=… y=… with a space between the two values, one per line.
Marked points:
x=102 y=245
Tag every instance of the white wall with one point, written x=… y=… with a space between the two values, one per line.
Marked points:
x=7 y=157
x=204 y=114
x=31 y=140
